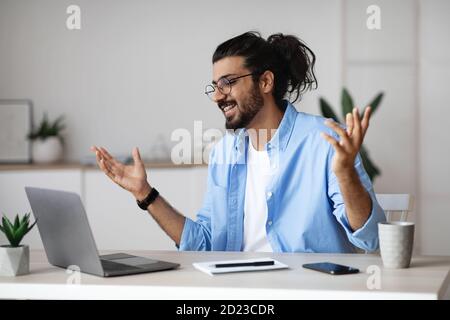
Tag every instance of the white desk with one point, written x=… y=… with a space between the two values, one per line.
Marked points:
x=428 y=278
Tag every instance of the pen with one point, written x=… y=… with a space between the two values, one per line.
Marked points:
x=245 y=264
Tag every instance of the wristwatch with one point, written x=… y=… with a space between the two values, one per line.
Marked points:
x=148 y=199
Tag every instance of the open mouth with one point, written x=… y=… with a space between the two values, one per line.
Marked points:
x=227 y=106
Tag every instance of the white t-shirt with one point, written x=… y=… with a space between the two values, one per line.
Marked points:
x=255 y=205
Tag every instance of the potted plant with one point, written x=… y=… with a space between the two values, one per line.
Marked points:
x=47 y=141
x=15 y=258
x=347 y=106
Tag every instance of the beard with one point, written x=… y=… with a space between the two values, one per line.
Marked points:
x=246 y=110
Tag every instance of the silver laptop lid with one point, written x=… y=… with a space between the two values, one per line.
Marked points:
x=64 y=229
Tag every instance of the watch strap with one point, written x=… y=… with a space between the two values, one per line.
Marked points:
x=153 y=194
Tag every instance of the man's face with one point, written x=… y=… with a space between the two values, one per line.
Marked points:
x=244 y=101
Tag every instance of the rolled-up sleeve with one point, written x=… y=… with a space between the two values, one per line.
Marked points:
x=365 y=237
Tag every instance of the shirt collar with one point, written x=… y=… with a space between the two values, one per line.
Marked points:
x=281 y=136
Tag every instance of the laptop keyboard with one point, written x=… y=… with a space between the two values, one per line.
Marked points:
x=114 y=266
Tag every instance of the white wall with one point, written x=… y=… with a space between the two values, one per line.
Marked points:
x=434 y=114
x=409 y=60
x=385 y=60
x=138 y=68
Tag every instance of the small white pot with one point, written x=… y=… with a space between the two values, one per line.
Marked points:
x=47 y=151
x=14 y=261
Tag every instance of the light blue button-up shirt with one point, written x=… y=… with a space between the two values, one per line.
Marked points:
x=306 y=211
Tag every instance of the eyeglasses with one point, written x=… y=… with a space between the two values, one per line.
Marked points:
x=224 y=85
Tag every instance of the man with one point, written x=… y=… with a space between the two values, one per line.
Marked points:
x=285 y=181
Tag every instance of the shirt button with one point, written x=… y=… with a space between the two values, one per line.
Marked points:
x=270 y=222
x=269 y=195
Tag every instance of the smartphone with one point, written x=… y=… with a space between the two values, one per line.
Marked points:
x=330 y=268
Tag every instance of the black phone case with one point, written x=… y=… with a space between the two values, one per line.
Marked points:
x=335 y=271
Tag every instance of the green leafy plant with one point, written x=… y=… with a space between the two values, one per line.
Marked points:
x=15 y=232
x=347 y=106
x=47 y=129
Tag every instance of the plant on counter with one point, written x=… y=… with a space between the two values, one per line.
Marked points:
x=15 y=258
x=47 y=140
x=48 y=129
x=15 y=232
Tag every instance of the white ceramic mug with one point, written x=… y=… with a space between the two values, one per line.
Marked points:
x=396 y=243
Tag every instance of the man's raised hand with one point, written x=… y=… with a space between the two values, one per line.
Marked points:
x=132 y=178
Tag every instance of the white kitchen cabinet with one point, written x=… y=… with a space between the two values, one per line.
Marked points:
x=116 y=221
x=13 y=199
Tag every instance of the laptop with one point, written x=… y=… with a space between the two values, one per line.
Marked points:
x=68 y=240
